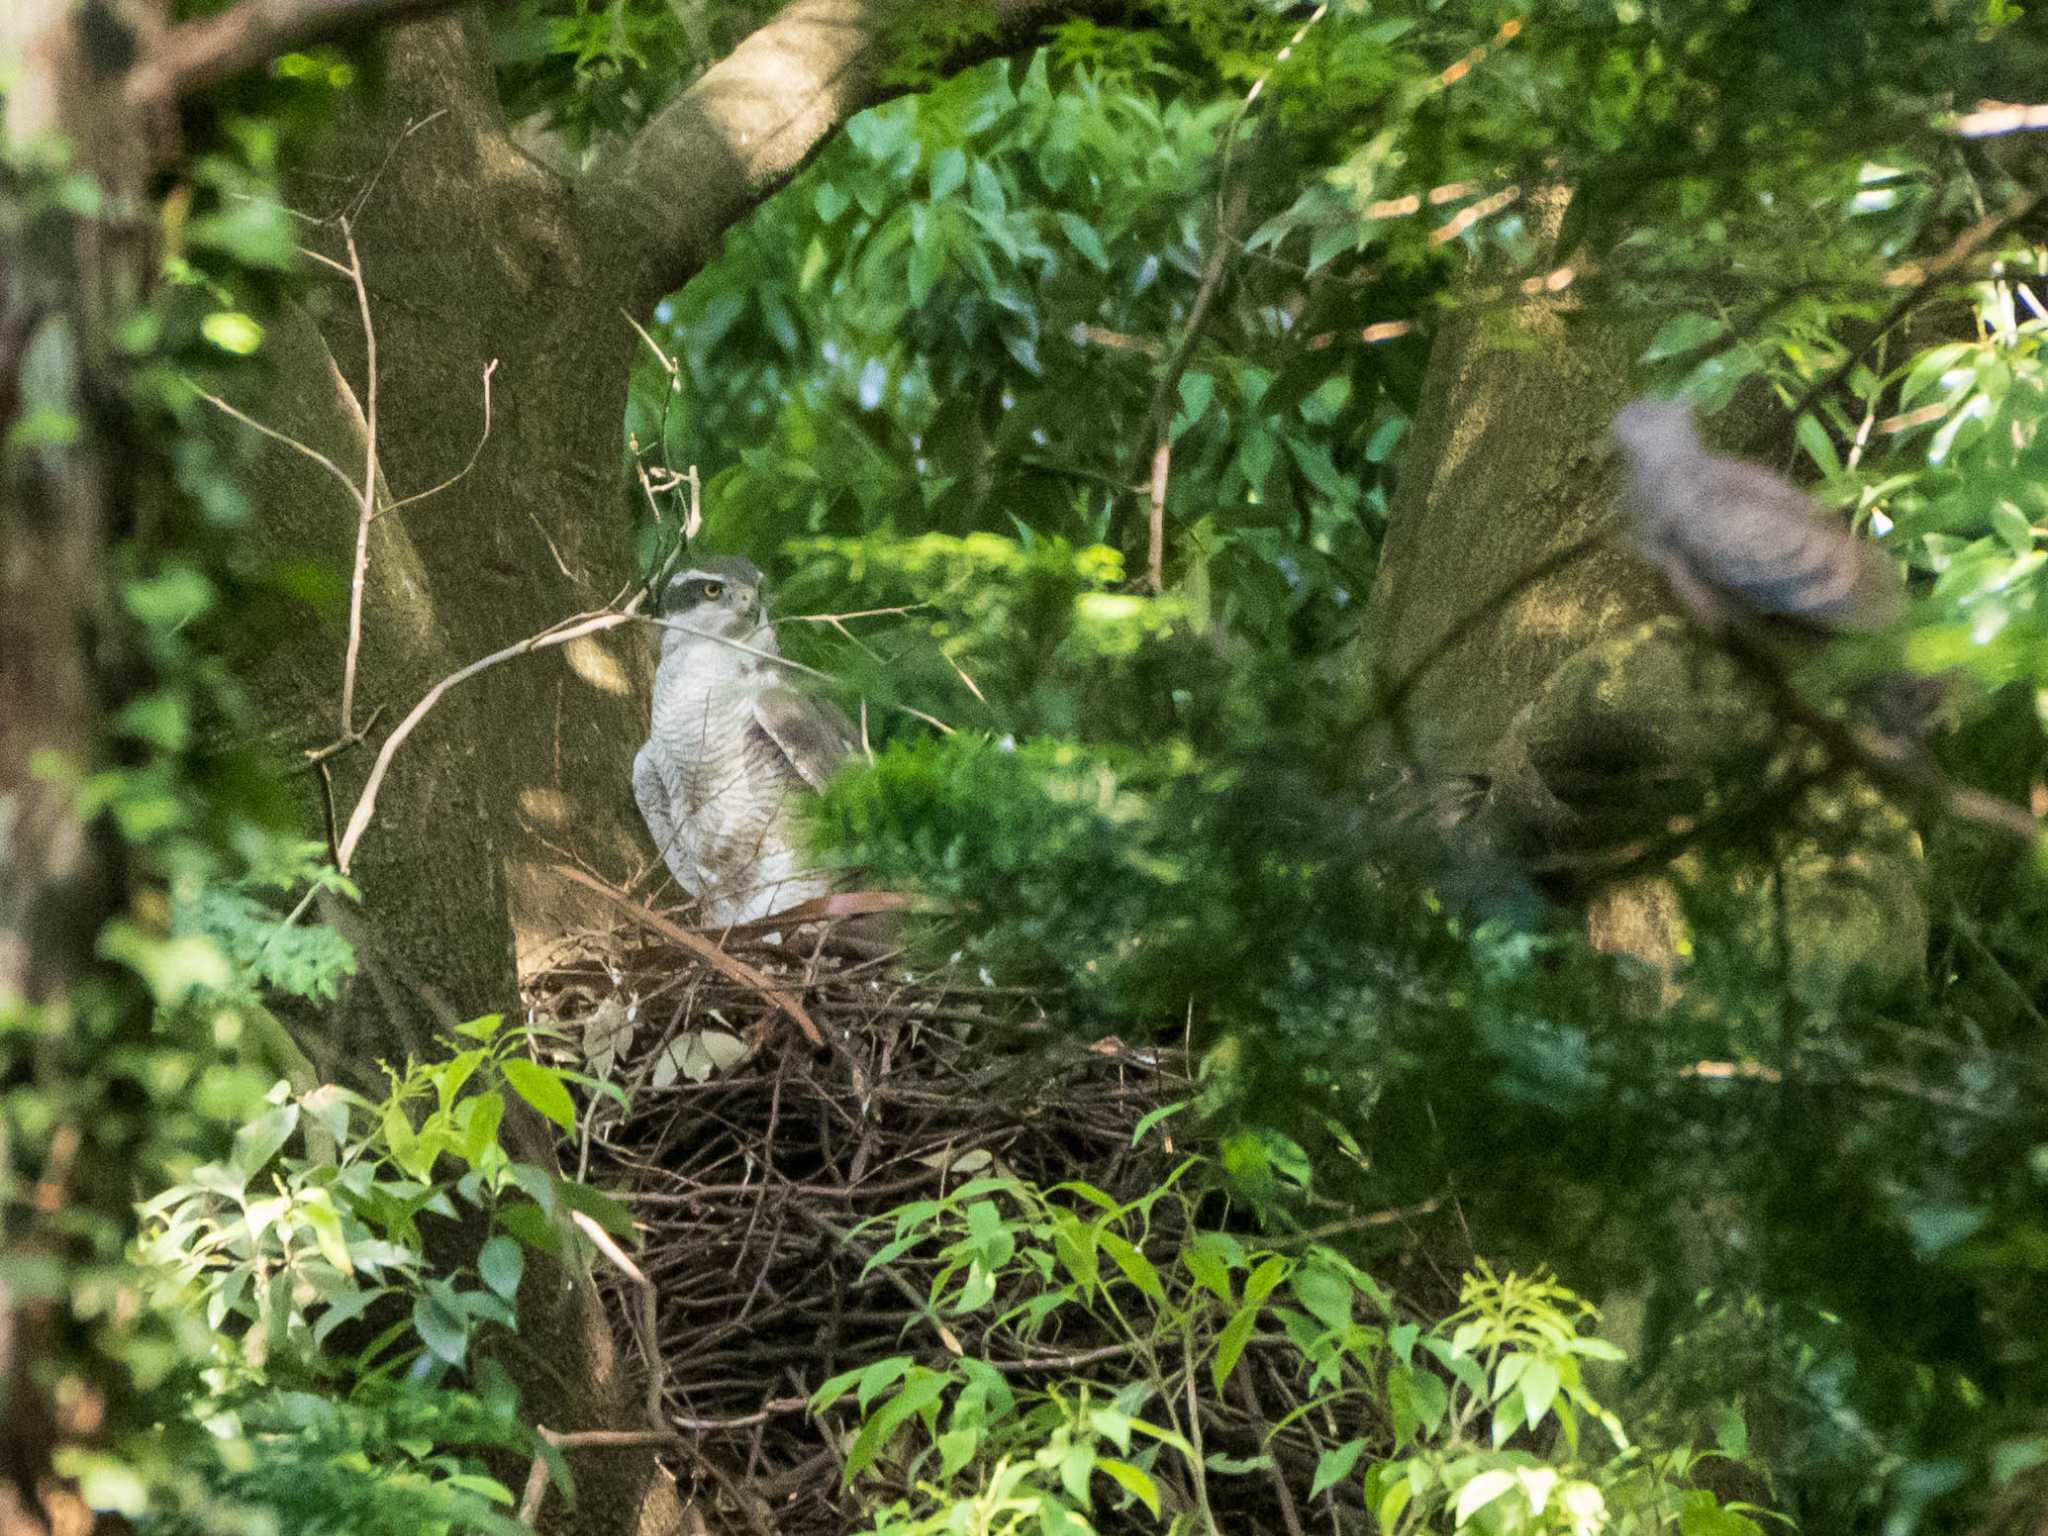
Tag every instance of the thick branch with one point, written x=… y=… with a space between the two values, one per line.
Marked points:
x=196 y=54
x=722 y=147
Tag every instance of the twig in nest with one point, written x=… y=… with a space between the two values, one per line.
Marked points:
x=703 y=948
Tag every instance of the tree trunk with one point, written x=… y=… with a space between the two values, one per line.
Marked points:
x=473 y=252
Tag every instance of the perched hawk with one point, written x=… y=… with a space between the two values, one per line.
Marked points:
x=1734 y=540
x=732 y=749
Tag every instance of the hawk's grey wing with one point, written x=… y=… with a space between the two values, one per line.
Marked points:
x=1761 y=539
x=813 y=735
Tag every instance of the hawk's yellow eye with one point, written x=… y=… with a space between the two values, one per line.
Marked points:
x=714 y=590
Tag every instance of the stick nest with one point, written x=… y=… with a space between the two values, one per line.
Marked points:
x=748 y=1156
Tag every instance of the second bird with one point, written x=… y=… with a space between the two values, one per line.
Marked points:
x=1736 y=541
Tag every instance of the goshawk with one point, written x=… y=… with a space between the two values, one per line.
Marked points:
x=732 y=749
x=1736 y=541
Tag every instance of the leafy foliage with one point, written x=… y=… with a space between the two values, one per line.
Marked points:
x=938 y=383
x=115 y=1084
x=965 y=320
x=1483 y=1421
x=325 y=1341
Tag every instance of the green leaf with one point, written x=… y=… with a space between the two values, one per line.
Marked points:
x=1074 y=1243
x=829 y=202
x=1236 y=1466
x=501 y=1263
x=1325 y=1293
x=1136 y=1267
x=1083 y=237
x=1205 y=1260
x=879 y=1377
x=1332 y=240
x=1539 y=1386
x=1384 y=438
x=2012 y=528
x=529 y=1223
x=345 y=1307
x=258 y=1141
x=1701 y=1514
x=1682 y=334
x=1398 y=1490
x=232 y=331
x=1155 y=1117
x=1813 y=437
x=927 y=266
x=252 y=233
x=1113 y=1425
x=1231 y=1342
x=597 y=1205
x=174 y=596
x=1334 y=1465
x=948 y=173
x=916 y=1396
x=956 y=1448
x=1197 y=391
x=835 y=1388
x=1479 y=1493
x=542 y=1088
x=441 y=1327
x=1132 y=1480
x=489 y=1487
x=44 y=426
x=316 y=1206
x=477 y=1119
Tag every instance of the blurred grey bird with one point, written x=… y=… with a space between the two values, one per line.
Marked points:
x=1735 y=540
x=732 y=749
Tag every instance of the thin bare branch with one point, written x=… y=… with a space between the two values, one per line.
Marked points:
x=290 y=442
x=559 y=634
x=483 y=437
x=1996 y=117
x=366 y=506
x=668 y=363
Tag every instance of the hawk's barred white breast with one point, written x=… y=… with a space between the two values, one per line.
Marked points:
x=732 y=748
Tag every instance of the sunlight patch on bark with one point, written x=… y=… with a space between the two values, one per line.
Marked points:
x=590 y=660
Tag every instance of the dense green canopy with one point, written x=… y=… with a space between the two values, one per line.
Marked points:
x=1178 y=431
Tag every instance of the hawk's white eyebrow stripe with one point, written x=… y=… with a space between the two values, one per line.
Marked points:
x=698 y=575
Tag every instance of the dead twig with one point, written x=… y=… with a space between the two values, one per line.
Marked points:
x=1920 y=278
x=475 y=453
x=703 y=948
x=559 y=634
x=290 y=442
x=1167 y=389
x=366 y=505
